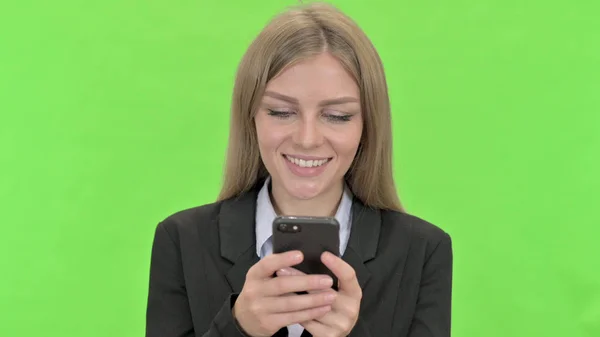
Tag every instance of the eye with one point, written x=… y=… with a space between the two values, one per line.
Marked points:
x=338 y=118
x=280 y=114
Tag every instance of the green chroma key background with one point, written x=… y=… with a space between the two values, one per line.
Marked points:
x=114 y=114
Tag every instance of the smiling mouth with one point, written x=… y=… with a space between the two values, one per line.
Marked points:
x=306 y=163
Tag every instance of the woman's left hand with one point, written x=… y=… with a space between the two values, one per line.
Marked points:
x=345 y=309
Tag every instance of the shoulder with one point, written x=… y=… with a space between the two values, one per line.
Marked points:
x=420 y=232
x=414 y=224
x=189 y=221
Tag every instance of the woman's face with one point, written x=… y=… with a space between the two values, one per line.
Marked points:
x=309 y=126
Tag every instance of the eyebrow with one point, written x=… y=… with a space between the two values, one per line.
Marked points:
x=333 y=101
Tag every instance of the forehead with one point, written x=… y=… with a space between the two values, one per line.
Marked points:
x=322 y=76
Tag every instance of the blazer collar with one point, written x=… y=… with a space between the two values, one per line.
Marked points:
x=238 y=242
x=237 y=236
x=364 y=238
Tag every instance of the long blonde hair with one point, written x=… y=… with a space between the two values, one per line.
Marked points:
x=296 y=34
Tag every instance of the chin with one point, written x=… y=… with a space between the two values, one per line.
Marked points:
x=304 y=190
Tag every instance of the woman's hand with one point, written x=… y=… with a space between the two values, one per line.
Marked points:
x=263 y=307
x=341 y=319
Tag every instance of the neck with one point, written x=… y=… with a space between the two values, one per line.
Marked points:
x=325 y=204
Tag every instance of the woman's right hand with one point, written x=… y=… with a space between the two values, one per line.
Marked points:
x=267 y=304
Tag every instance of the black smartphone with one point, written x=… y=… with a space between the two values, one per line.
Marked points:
x=312 y=236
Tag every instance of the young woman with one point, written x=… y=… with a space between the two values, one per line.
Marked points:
x=310 y=135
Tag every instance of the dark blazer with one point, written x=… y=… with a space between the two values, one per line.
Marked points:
x=200 y=258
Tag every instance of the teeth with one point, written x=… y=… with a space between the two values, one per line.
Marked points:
x=306 y=163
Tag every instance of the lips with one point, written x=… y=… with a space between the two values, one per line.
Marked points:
x=307 y=163
x=306 y=167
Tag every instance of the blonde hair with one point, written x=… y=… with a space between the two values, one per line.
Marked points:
x=301 y=32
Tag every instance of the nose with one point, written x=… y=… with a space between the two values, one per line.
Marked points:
x=308 y=133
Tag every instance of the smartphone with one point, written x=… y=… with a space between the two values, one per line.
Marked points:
x=310 y=235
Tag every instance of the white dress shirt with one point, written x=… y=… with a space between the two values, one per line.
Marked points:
x=265 y=214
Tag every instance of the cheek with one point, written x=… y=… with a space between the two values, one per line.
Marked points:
x=269 y=136
x=346 y=143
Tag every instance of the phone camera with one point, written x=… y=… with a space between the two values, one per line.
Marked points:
x=285 y=228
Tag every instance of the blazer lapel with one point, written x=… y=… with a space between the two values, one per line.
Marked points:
x=364 y=237
x=237 y=236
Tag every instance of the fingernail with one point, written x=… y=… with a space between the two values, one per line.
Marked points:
x=330 y=297
x=326 y=281
x=283 y=272
x=297 y=256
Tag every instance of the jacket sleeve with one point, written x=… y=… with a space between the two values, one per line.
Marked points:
x=433 y=309
x=360 y=329
x=168 y=311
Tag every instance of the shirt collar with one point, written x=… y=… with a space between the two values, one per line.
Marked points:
x=265 y=214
